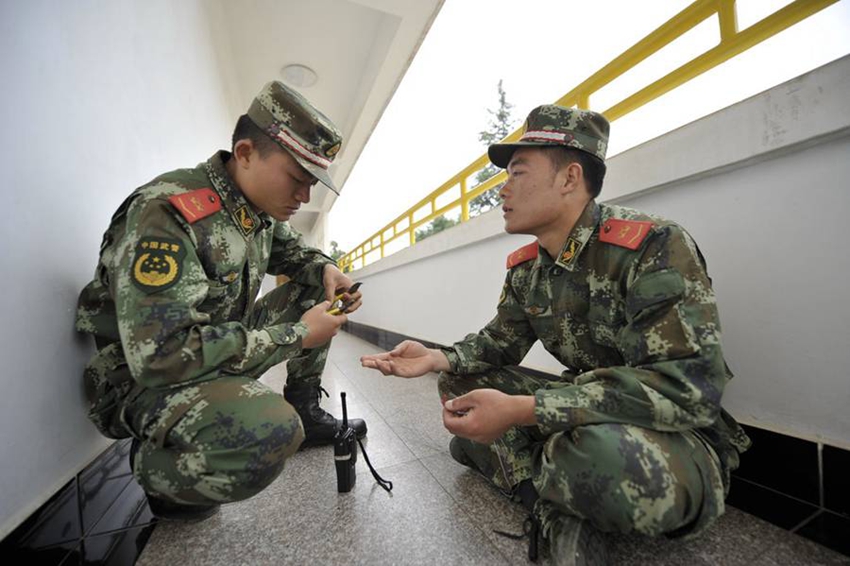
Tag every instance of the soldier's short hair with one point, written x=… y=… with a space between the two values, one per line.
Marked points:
x=246 y=129
x=592 y=167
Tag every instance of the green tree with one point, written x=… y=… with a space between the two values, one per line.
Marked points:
x=500 y=126
x=437 y=225
x=335 y=252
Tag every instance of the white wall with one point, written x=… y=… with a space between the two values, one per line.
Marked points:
x=763 y=187
x=774 y=237
x=98 y=97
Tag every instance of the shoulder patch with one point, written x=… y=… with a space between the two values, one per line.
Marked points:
x=625 y=233
x=196 y=204
x=522 y=255
x=158 y=264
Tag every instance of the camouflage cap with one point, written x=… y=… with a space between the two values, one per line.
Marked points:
x=550 y=125
x=298 y=127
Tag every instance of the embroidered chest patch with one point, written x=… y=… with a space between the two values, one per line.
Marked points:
x=570 y=250
x=246 y=221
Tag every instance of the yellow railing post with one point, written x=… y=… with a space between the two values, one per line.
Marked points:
x=728 y=17
x=582 y=100
x=732 y=42
x=464 y=201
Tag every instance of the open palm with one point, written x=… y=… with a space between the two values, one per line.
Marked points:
x=408 y=359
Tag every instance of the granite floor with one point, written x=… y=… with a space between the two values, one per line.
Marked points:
x=438 y=512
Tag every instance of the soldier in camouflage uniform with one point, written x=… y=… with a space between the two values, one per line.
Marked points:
x=631 y=437
x=180 y=338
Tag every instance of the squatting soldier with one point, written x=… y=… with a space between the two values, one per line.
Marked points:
x=632 y=436
x=180 y=339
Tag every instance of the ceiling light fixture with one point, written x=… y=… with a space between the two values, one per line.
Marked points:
x=299 y=75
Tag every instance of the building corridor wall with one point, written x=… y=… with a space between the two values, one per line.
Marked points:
x=97 y=98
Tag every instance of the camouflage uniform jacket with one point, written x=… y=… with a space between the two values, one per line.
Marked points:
x=637 y=328
x=172 y=300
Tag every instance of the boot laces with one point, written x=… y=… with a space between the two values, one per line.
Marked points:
x=317 y=411
x=319 y=391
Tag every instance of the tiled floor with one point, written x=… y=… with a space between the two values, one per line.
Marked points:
x=438 y=513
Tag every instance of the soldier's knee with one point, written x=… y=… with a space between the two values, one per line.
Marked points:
x=251 y=440
x=277 y=432
x=230 y=444
x=597 y=443
x=618 y=478
x=282 y=431
x=574 y=474
x=255 y=455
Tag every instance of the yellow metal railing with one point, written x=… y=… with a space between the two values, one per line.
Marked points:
x=732 y=42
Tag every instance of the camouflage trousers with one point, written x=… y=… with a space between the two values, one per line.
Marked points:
x=288 y=303
x=619 y=477
x=224 y=439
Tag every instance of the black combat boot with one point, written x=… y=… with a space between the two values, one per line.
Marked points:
x=319 y=425
x=168 y=510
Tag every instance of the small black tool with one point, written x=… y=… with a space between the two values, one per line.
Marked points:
x=345 y=453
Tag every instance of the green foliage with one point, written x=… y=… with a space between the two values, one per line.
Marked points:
x=335 y=252
x=488 y=199
x=439 y=224
x=499 y=127
x=500 y=120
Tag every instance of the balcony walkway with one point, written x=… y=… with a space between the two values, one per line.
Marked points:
x=438 y=513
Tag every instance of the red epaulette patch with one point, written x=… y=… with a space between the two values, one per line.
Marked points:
x=196 y=204
x=522 y=255
x=626 y=233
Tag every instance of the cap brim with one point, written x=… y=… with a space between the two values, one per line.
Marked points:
x=314 y=170
x=500 y=153
x=322 y=176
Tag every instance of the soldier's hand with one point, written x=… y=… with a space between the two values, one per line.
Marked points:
x=483 y=415
x=408 y=359
x=321 y=326
x=336 y=282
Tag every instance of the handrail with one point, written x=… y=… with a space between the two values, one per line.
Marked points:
x=732 y=42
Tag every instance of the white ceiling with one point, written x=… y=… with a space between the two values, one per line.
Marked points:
x=360 y=50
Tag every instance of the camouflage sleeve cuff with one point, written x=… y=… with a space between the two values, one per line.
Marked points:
x=288 y=334
x=454 y=359
x=549 y=411
x=312 y=274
